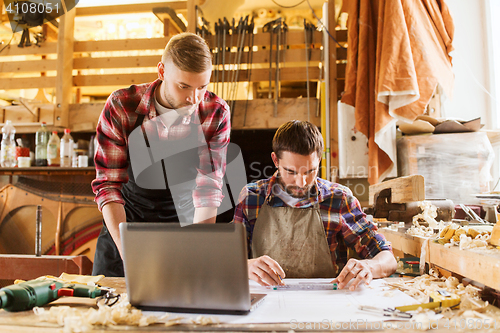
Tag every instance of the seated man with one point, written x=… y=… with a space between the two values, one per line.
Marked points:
x=299 y=225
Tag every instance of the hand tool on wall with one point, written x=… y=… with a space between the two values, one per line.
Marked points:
x=225 y=28
x=217 y=56
x=242 y=30
x=26 y=295
x=249 y=64
x=281 y=29
x=309 y=29
x=269 y=27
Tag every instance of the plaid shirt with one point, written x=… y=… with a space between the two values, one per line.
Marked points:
x=116 y=122
x=344 y=222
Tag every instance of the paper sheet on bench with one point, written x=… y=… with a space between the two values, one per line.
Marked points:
x=281 y=306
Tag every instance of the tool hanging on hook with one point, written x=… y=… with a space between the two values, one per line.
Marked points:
x=242 y=30
x=277 y=27
x=249 y=65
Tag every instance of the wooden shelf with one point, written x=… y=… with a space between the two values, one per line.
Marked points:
x=480 y=267
x=47 y=171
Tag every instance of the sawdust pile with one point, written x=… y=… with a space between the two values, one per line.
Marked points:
x=471 y=306
x=77 y=319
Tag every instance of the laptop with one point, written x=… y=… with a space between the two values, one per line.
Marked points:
x=199 y=268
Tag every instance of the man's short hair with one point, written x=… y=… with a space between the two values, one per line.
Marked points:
x=188 y=52
x=299 y=137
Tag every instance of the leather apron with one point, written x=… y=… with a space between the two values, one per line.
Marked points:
x=153 y=205
x=295 y=238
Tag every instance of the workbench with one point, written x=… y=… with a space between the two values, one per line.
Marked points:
x=481 y=267
x=27 y=322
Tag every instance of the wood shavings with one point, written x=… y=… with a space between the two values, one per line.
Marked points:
x=173 y=321
x=388 y=294
x=422 y=286
x=420 y=230
x=205 y=321
x=429 y=214
x=81 y=320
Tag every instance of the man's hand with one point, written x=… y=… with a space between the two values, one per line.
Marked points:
x=382 y=265
x=359 y=270
x=265 y=271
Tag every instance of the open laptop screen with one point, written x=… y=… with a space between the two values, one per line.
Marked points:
x=196 y=268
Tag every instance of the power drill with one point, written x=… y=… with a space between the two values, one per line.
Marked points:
x=27 y=295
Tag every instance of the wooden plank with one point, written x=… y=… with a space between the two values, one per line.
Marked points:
x=28 y=66
x=21 y=117
x=403 y=189
x=113 y=79
x=84 y=113
x=481 y=267
x=121 y=45
x=64 y=68
x=44 y=48
x=128 y=9
x=115 y=62
x=28 y=82
x=260 y=113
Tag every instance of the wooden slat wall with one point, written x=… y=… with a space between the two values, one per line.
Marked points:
x=88 y=56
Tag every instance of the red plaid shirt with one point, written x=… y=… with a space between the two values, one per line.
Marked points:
x=116 y=122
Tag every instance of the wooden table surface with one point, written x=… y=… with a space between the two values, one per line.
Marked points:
x=27 y=322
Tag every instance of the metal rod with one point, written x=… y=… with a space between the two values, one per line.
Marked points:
x=249 y=66
x=277 y=76
x=306 y=40
x=217 y=57
x=38 y=232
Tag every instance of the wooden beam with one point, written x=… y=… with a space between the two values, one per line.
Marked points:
x=171 y=22
x=191 y=16
x=128 y=9
x=403 y=189
x=64 y=77
x=332 y=93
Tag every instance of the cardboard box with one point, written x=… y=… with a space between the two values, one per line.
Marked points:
x=455 y=166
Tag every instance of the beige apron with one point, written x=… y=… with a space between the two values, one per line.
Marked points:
x=295 y=238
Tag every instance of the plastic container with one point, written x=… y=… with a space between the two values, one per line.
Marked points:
x=53 y=150
x=66 y=149
x=41 y=139
x=8 y=146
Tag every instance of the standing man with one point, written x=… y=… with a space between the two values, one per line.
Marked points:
x=161 y=149
x=299 y=225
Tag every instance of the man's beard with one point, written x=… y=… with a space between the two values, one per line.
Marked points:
x=293 y=190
